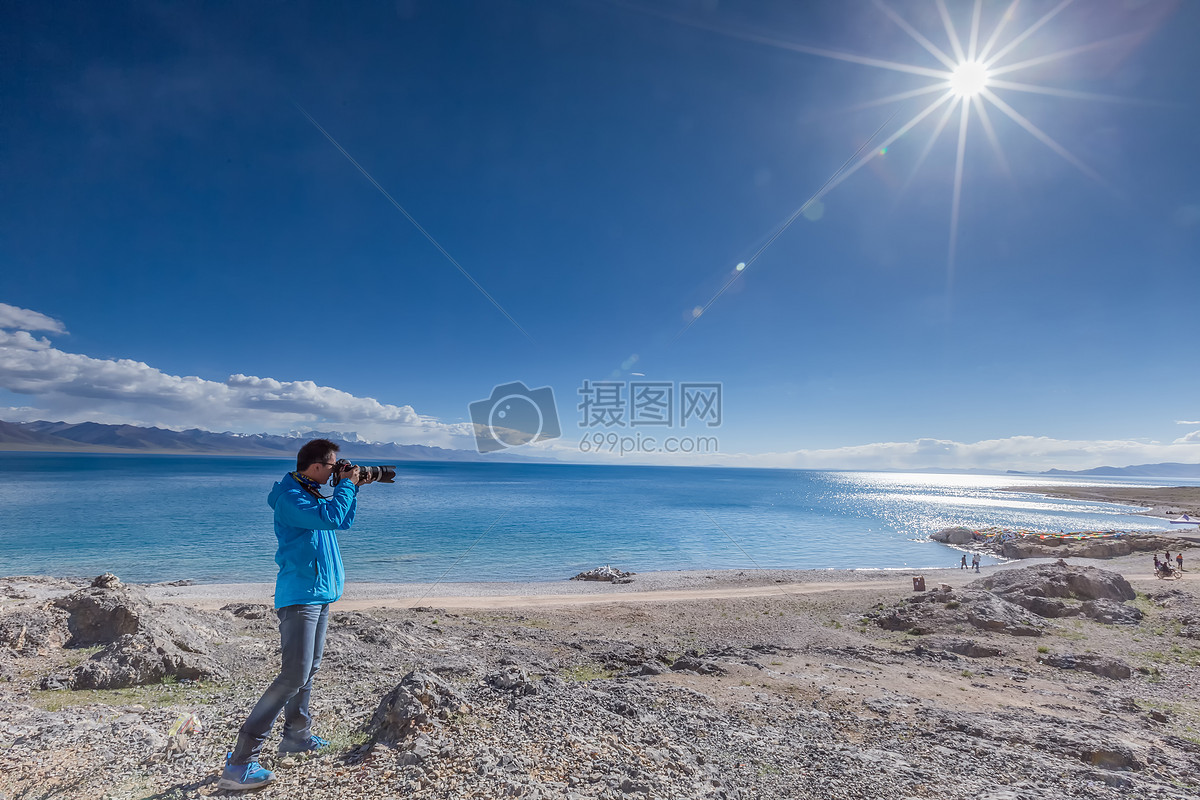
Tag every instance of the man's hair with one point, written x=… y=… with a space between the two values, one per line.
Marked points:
x=314 y=452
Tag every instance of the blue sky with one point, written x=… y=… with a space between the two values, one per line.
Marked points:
x=172 y=222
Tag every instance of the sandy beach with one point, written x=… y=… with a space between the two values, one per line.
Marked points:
x=650 y=587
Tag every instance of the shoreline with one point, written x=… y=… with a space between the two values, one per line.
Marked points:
x=650 y=587
x=1162 y=502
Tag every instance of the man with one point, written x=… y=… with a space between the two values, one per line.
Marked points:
x=310 y=578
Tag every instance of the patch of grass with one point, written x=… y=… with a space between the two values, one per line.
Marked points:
x=1176 y=655
x=833 y=623
x=1072 y=635
x=582 y=673
x=1043 y=649
x=767 y=769
x=153 y=696
x=966 y=673
x=1143 y=603
x=775 y=663
x=346 y=737
x=953 y=604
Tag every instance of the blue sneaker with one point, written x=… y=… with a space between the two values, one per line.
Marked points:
x=240 y=777
x=313 y=744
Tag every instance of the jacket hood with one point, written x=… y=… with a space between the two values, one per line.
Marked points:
x=280 y=487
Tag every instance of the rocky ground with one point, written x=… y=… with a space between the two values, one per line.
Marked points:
x=1051 y=681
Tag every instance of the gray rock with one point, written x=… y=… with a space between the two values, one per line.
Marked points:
x=956 y=535
x=1111 y=612
x=143 y=642
x=966 y=647
x=697 y=665
x=99 y=615
x=991 y=613
x=33 y=631
x=512 y=679
x=605 y=573
x=106 y=581
x=1057 y=580
x=142 y=659
x=1089 y=662
x=249 y=610
x=413 y=705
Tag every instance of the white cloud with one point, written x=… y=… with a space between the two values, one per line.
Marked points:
x=72 y=386
x=1015 y=452
x=1186 y=422
x=1025 y=453
x=15 y=318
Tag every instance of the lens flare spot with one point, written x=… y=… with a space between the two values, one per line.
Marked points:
x=697 y=311
x=741 y=266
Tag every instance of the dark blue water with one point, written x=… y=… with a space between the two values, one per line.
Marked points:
x=156 y=518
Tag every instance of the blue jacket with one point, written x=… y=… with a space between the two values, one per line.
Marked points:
x=310 y=563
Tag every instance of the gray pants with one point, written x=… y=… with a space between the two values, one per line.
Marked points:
x=302 y=639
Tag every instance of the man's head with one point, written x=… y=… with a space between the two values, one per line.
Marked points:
x=316 y=459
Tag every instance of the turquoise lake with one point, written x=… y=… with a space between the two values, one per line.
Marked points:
x=161 y=518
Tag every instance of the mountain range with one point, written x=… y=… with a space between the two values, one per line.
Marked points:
x=96 y=437
x=1170 y=469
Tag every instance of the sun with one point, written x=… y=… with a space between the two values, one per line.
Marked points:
x=968 y=79
x=964 y=82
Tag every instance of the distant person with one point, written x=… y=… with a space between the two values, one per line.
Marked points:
x=975 y=562
x=310 y=578
x=964 y=562
x=1179 y=560
x=1167 y=560
x=1157 y=565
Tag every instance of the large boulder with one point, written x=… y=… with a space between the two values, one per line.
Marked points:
x=1056 y=580
x=418 y=703
x=1110 y=612
x=988 y=612
x=142 y=642
x=605 y=573
x=99 y=615
x=140 y=659
x=939 y=612
x=956 y=535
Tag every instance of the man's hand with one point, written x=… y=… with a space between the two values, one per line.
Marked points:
x=366 y=479
x=351 y=475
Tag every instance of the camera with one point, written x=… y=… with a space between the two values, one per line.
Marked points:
x=381 y=474
x=514 y=415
